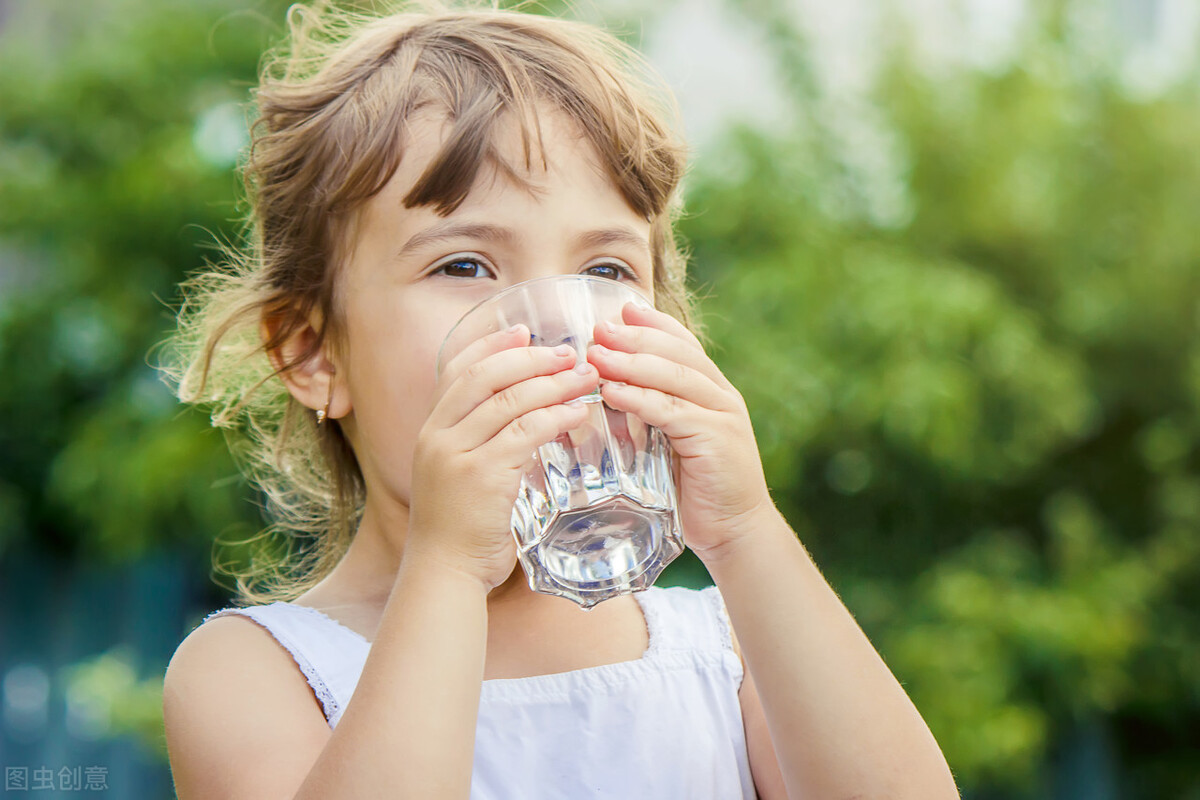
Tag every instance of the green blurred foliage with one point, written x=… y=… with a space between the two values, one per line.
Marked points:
x=110 y=700
x=120 y=123
x=975 y=391
x=974 y=373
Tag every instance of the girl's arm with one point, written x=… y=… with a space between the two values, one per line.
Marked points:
x=410 y=731
x=240 y=723
x=839 y=722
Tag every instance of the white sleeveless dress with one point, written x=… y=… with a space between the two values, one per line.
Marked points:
x=667 y=725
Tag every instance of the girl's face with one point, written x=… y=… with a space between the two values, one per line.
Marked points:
x=411 y=274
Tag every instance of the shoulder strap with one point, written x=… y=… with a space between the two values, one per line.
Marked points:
x=686 y=619
x=330 y=656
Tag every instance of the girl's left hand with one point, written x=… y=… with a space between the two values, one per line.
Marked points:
x=658 y=370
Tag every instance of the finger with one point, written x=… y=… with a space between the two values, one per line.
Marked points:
x=676 y=343
x=645 y=316
x=481 y=348
x=497 y=412
x=513 y=445
x=679 y=419
x=661 y=374
x=478 y=381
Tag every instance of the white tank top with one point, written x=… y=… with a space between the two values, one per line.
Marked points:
x=667 y=725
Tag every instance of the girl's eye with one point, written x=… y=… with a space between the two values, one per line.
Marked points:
x=463 y=267
x=612 y=270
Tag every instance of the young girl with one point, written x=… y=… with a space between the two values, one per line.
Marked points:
x=404 y=168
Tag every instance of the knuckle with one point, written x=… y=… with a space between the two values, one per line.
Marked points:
x=471 y=471
x=428 y=435
x=475 y=372
x=680 y=373
x=430 y=444
x=522 y=427
x=507 y=400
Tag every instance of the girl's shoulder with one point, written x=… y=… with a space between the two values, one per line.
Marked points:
x=236 y=709
x=235 y=646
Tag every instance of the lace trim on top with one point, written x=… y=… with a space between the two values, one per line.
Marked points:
x=654 y=627
x=724 y=624
x=329 y=704
x=659 y=634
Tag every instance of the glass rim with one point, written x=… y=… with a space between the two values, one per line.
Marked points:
x=635 y=296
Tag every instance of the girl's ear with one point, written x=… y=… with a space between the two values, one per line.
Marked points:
x=314 y=380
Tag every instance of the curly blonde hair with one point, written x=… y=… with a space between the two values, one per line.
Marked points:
x=332 y=106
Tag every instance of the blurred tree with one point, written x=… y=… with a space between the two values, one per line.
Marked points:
x=976 y=389
x=120 y=124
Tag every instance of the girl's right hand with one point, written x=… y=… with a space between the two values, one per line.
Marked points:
x=496 y=402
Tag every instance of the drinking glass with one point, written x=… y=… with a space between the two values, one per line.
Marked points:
x=596 y=515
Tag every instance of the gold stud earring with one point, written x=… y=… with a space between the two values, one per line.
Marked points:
x=323 y=413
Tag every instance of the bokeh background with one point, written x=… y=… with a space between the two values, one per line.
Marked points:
x=948 y=249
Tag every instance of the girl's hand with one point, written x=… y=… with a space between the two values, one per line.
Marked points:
x=497 y=401
x=663 y=376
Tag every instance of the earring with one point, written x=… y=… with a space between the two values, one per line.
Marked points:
x=323 y=413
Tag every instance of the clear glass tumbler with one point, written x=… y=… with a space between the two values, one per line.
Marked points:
x=596 y=515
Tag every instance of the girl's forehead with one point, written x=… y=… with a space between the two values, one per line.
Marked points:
x=554 y=195
x=529 y=157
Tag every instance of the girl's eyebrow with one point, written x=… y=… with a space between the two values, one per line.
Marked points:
x=610 y=236
x=449 y=229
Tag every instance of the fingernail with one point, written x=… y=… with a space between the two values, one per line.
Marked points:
x=609 y=327
x=514 y=328
x=576 y=403
x=583 y=368
x=564 y=350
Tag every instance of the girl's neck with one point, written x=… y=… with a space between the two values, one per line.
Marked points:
x=367 y=572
